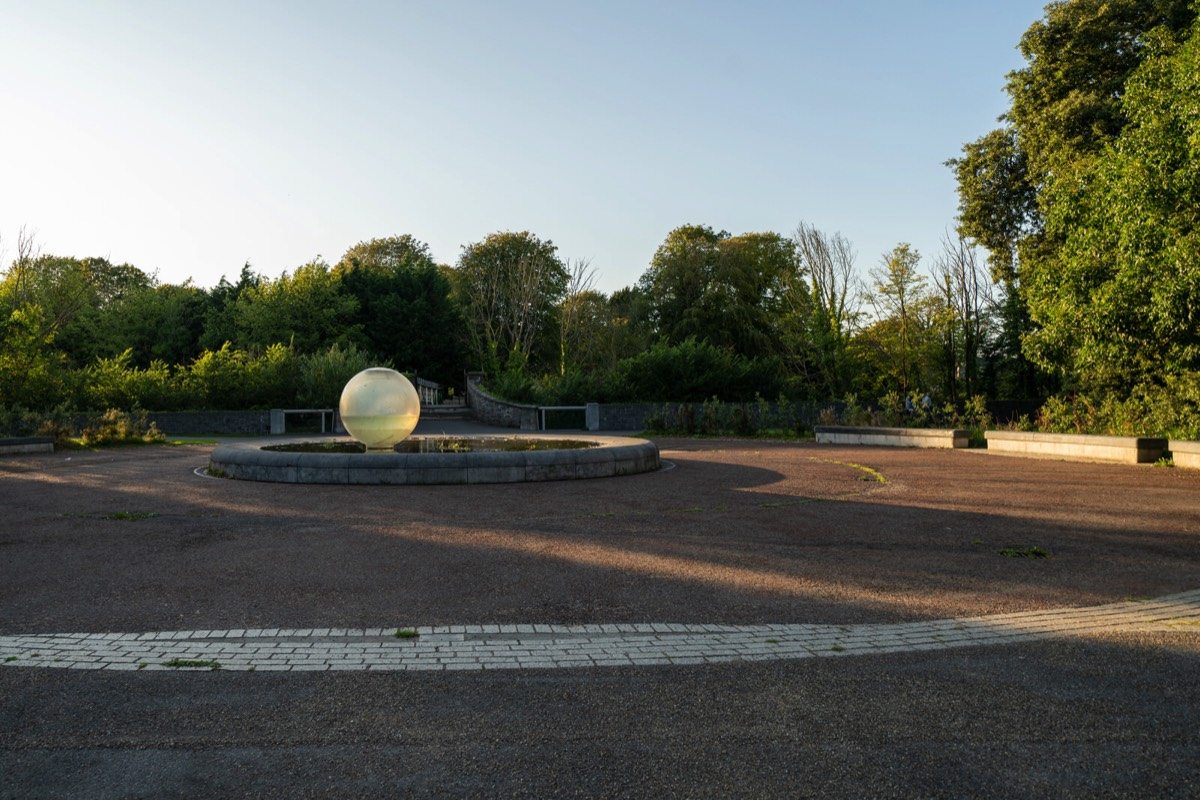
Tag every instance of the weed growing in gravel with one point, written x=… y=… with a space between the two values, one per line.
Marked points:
x=188 y=662
x=837 y=648
x=772 y=641
x=1024 y=552
x=116 y=515
x=406 y=633
x=1165 y=461
x=10 y=658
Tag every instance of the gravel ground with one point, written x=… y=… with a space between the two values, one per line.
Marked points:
x=735 y=532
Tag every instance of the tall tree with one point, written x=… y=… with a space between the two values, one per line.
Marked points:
x=826 y=312
x=1121 y=304
x=304 y=309
x=903 y=316
x=509 y=287
x=1065 y=110
x=726 y=290
x=405 y=307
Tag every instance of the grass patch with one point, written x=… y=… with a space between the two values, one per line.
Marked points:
x=116 y=515
x=10 y=658
x=837 y=648
x=1024 y=552
x=182 y=442
x=406 y=633
x=189 y=662
x=772 y=641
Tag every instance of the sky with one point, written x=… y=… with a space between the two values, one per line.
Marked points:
x=188 y=138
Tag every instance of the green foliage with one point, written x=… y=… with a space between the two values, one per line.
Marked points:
x=32 y=372
x=324 y=374
x=230 y=379
x=115 y=427
x=692 y=371
x=115 y=383
x=1037 y=193
x=405 y=311
x=57 y=422
x=306 y=310
x=725 y=290
x=1171 y=410
x=509 y=287
x=1121 y=305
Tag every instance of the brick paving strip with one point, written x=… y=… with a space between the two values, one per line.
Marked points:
x=535 y=646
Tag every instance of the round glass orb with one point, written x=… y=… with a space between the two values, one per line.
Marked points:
x=379 y=408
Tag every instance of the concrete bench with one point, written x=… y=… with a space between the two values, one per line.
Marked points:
x=1185 y=454
x=1077 y=446
x=892 y=437
x=27 y=444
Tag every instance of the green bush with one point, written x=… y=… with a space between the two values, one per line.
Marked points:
x=1170 y=409
x=324 y=374
x=119 y=427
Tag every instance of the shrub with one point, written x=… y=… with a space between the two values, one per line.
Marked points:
x=119 y=427
x=324 y=374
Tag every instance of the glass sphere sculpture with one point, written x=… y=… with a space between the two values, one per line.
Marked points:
x=379 y=408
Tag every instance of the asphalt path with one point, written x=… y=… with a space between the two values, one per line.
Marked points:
x=737 y=533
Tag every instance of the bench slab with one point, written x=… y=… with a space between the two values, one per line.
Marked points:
x=1185 y=454
x=1077 y=446
x=892 y=437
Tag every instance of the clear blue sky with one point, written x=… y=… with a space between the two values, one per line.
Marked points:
x=187 y=138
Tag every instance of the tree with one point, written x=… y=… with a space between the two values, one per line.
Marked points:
x=1121 y=304
x=826 y=312
x=1066 y=108
x=405 y=307
x=577 y=316
x=161 y=322
x=725 y=290
x=219 y=317
x=964 y=321
x=509 y=286
x=306 y=310
x=903 y=317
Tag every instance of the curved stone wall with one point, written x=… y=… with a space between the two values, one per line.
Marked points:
x=613 y=456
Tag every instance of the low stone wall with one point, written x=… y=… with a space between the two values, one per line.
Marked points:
x=1077 y=447
x=181 y=423
x=611 y=456
x=493 y=411
x=892 y=437
x=1185 y=454
x=27 y=444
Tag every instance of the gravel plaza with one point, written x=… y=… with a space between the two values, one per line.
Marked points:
x=757 y=618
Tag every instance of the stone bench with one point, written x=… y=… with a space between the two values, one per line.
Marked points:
x=1077 y=446
x=27 y=444
x=892 y=437
x=1185 y=454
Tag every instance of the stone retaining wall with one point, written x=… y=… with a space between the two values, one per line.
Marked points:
x=1077 y=447
x=493 y=411
x=180 y=423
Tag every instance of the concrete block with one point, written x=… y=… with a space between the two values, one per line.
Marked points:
x=1185 y=454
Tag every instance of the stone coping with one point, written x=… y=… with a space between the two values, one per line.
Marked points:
x=1185 y=454
x=612 y=456
x=1077 y=446
x=892 y=437
x=27 y=444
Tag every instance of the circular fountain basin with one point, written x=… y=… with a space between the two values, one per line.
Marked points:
x=590 y=457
